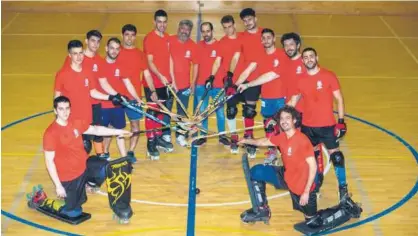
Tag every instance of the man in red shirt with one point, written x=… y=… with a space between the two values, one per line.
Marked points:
x=297 y=175
x=183 y=52
x=209 y=77
x=91 y=62
x=273 y=91
x=230 y=60
x=133 y=59
x=319 y=87
x=114 y=79
x=79 y=85
x=252 y=52
x=69 y=166
x=156 y=48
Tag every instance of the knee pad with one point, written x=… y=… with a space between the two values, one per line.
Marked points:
x=97 y=171
x=87 y=145
x=257 y=171
x=248 y=111
x=231 y=112
x=337 y=159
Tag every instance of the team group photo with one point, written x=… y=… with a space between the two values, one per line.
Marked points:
x=209 y=117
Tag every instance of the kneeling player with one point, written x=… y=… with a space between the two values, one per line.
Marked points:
x=297 y=175
x=70 y=169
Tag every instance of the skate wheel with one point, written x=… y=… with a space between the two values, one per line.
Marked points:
x=40 y=187
x=28 y=196
x=266 y=222
x=123 y=221
x=318 y=195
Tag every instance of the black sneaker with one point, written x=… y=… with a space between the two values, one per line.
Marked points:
x=164 y=145
x=199 y=142
x=152 y=151
x=224 y=140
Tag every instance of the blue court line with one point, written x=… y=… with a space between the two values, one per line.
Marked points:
x=191 y=209
x=192 y=204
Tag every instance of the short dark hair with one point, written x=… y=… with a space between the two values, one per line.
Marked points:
x=293 y=112
x=206 y=23
x=61 y=99
x=95 y=33
x=310 y=49
x=160 y=12
x=290 y=35
x=74 y=44
x=129 y=27
x=267 y=30
x=227 y=19
x=246 y=12
x=113 y=39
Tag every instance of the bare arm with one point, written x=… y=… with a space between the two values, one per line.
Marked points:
x=173 y=78
x=154 y=69
x=312 y=172
x=234 y=61
x=131 y=89
x=244 y=75
x=340 y=103
x=52 y=170
x=257 y=142
x=148 y=79
x=98 y=95
x=195 y=73
x=106 y=86
x=216 y=65
x=104 y=131
x=294 y=100
x=264 y=78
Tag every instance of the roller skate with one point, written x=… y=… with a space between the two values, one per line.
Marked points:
x=352 y=208
x=234 y=144
x=271 y=158
x=164 y=145
x=36 y=197
x=251 y=217
x=251 y=149
x=152 y=151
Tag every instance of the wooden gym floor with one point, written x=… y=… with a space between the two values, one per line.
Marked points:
x=375 y=58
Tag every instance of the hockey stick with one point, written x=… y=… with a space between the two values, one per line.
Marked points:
x=178 y=100
x=201 y=101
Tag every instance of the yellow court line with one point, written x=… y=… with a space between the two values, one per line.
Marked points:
x=215 y=229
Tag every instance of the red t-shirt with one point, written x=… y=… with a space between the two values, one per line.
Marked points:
x=114 y=73
x=91 y=64
x=276 y=62
x=295 y=70
x=317 y=92
x=135 y=62
x=252 y=51
x=76 y=86
x=67 y=143
x=228 y=47
x=158 y=47
x=184 y=56
x=295 y=150
x=207 y=54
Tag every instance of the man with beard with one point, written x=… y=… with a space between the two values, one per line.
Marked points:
x=319 y=87
x=252 y=51
x=113 y=79
x=230 y=60
x=135 y=62
x=91 y=62
x=208 y=78
x=273 y=91
x=156 y=48
x=183 y=52
x=297 y=175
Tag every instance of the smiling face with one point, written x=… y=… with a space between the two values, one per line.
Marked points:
x=291 y=48
x=250 y=22
x=310 y=59
x=268 y=40
x=287 y=122
x=128 y=38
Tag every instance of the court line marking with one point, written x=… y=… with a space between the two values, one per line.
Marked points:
x=221 y=35
x=10 y=23
x=395 y=206
x=399 y=39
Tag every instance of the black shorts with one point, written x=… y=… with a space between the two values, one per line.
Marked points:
x=309 y=209
x=163 y=93
x=251 y=94
x=76 y=192
x=97 y=119
x=323 y=135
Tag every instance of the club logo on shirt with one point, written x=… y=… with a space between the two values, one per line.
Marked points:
x=117 y=73
x=95 y=69
x=213 y=54
x=76 y=133
x=299 y=70
x=276 y=63
x=289 y=151
x=187 y=54
x=86 y=82
x=318 y=85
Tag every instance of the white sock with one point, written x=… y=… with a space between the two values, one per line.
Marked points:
x=232 y=124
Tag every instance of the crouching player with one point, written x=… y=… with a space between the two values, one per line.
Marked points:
x=70 y=169
x=297 y=175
